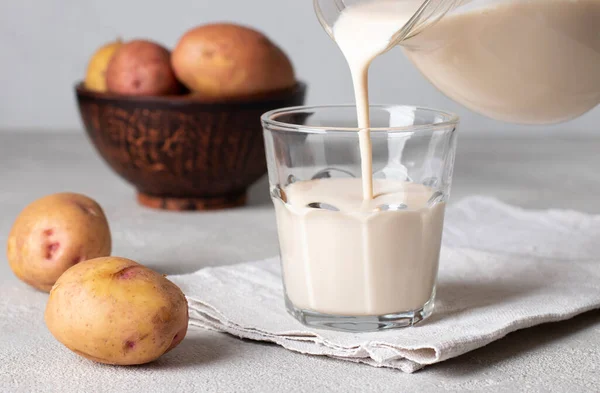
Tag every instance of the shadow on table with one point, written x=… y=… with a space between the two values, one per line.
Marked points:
x=258 y=195
x=516 y=344
x=458 y=297
x=197 y=349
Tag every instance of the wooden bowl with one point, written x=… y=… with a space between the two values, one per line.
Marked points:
x=181 y=152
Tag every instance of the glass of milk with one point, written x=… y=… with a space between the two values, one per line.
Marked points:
x=350 y=262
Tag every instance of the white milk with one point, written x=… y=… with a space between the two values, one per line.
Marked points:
x=363 y=32
x=359 y=261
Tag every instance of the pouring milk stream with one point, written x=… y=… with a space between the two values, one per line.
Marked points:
x=363 y=32
x=356 y=258
x=521 y=61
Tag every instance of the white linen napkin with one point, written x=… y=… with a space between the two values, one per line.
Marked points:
x=502 y=269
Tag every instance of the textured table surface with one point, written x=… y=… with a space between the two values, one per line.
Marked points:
x=529 y=171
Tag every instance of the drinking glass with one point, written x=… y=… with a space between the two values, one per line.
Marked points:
x=349 y=264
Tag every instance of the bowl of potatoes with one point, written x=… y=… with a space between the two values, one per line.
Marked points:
x=183 y=126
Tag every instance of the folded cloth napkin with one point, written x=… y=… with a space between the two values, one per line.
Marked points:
x=502 y=269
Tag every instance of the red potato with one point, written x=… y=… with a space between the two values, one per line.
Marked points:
x=54 y=233
x=141 y=68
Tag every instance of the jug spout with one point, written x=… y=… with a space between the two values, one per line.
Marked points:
x=426 y=12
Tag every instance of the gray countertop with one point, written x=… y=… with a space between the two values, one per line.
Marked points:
x=528 y=171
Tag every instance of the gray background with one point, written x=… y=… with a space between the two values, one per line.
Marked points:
x=45 y=45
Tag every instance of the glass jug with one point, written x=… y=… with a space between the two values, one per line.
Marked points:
x=520 y=61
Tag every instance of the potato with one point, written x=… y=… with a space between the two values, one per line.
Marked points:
x=227 y=60
x=95 y=78
x=141 y=68
x=116 y=311
x=54 y=233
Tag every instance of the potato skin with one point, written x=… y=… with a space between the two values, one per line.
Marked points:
x=95 y=77
x=115 y=311
x=141 y=68
x=54 y=233
x=230 y=61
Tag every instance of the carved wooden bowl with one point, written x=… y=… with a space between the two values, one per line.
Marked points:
x=182 y=153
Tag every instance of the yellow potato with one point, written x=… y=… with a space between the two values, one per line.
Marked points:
x=54 y=233
x=95 y=78
x=225 y=60
x=116 y=311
